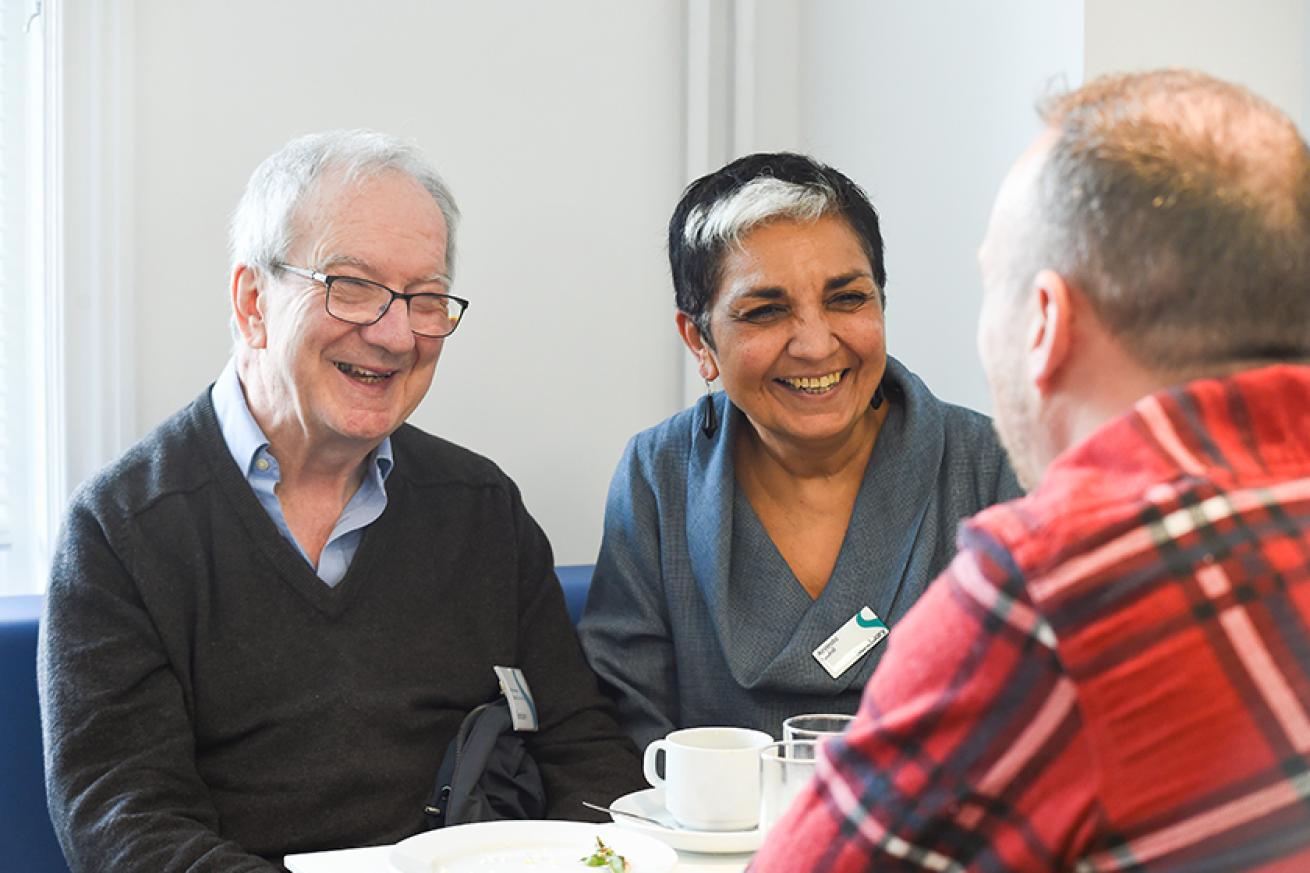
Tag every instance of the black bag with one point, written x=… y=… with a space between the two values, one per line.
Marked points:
x=487 y=773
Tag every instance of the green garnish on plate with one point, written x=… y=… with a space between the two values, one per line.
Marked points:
x=606 y=857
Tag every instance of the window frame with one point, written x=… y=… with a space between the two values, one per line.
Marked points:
x=85 y=415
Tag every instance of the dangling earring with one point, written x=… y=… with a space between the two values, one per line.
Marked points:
x=709 y=417
x=876 y=403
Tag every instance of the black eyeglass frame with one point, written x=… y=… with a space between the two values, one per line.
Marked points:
x=326 y=281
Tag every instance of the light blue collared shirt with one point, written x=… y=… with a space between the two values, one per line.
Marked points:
x=249 y=448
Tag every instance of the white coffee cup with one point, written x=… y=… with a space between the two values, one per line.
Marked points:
x=711 y=776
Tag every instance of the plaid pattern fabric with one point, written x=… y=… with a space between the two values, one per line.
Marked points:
x=1113 y=674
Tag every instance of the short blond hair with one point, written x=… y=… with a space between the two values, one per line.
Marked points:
x=1179 y=204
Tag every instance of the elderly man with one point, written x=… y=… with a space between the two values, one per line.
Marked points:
x=266 y=621
x=1114 y=673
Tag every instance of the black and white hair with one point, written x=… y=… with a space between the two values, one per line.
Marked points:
x=263 y=227
x=718 y=210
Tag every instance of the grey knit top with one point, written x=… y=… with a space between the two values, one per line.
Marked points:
x=695 y=618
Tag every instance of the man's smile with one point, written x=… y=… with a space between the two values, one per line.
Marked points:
x=363 y=374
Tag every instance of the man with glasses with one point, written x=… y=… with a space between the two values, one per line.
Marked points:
x=266 y=622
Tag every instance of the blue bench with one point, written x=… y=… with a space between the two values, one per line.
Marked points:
x=575 y=579
x=27 y=841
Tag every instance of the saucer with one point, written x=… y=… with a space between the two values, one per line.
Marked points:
x=650 y=803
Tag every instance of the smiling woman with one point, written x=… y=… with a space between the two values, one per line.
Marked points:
x=797 y=338
x=748 y=539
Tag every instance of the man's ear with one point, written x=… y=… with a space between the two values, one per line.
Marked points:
x=706 y=363
x=1050 y=339
x=248 y=305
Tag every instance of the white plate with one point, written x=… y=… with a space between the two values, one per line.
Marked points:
x=539 y=846
x=650 y=803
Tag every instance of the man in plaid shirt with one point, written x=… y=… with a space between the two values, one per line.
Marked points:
x=1114 y=673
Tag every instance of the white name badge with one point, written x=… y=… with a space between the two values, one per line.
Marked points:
x=522 y=709
x=839 y=651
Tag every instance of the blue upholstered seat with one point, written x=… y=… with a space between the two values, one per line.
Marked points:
x=575 y=579
x=27 y=841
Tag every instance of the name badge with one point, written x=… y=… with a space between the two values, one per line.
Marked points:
x=522 y=710
x=839 y=651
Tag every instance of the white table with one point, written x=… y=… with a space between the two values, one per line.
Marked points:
x=374 y=860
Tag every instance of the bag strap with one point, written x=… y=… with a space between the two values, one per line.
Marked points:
x=438 y=805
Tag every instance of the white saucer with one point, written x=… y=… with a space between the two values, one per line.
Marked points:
x=650 y=803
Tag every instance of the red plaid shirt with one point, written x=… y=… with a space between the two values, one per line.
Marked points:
x=1113 y=674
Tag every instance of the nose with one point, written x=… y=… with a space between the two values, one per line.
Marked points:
x=813 y=337
x=392 y=331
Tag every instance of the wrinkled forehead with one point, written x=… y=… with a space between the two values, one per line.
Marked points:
x=332 y=195
x=386 y=204
x=326 y=197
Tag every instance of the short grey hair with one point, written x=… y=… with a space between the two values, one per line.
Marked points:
x=720 y=209
x=761 y=200
x=263 y=226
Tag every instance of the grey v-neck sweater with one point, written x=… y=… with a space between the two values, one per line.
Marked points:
x=695 y=618
x=208 y=702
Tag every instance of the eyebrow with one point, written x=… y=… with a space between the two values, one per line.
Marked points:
x=847 y=278
x=338 y=261
x=774 y=292
x=347 y=261
x=765 y=293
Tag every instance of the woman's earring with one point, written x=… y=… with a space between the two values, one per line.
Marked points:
x=876 y=403
x=709 y=417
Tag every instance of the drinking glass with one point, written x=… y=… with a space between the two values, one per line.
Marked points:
x=815 y=726
x=785 y=768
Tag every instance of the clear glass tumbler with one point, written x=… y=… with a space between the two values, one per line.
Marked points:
x=785 y=768
x=815 y=726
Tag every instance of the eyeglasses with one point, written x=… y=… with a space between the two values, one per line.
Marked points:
x=359 y=301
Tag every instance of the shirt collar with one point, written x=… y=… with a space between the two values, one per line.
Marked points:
x=245 y=439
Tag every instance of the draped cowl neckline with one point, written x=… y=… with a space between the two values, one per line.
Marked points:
x=766 y=623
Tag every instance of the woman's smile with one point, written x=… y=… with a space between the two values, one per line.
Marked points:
x=813 y=384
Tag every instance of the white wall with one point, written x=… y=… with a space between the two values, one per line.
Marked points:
x=559 y=127
x=927 y=105
x=568 y=129
x=1261 y=45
